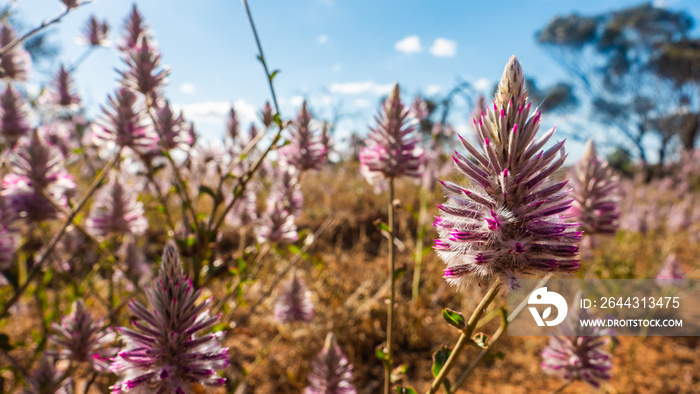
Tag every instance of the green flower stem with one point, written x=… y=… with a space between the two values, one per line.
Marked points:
x=390 y=308
x=466 y=336
x=423 y=196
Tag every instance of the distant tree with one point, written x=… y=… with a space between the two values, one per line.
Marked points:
x=627 y=62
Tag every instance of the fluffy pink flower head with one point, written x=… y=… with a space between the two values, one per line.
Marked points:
x=596 y=202
x=163 y=353
x=116 y=210
x=671 y=271
x=509 y=220
x=126 y=124
x=306 y=150
x=266 y=115
x=287 y=191
x=62 y=91
x=45 y=379
x=173 y=129
x=419 y=109
x=95 y=33
x=574 y=357
x=294 y=302
x=14 y=111
x=391 y=147
x=134 y=29
x=16 y=63
x=277 y=224
x=71 y=3
x=83 y=339
x=37 y=170
x=144 y=72
x=331 y=371
x=232 y=125
x=244 y=210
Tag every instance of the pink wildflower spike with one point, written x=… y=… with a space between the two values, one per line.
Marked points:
x=294 y=302
x=596 y=204
x=331 y=371
x=116 y=210
x=82 y=338
x=511 y=200
x=16 y=63
x=391 y=149
x=306 y=150
x=14 y=112
x=95 y=33
x=166 y=339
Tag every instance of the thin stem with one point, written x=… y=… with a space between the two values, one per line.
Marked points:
x=390 y=308
x=466 y=336
x=263 y=353
x=238 y=191
x=560 y=389
x=492 y=341
x=89 y=383
x=81 y=59
x=41 y=27
x=262 y=57
x=57 y=237
x=419 y=244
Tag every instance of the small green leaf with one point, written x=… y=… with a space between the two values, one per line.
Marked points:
x=439 y=359
x=274 y=74
x=5 y=342
x=480 y=340
x=294 y=249
x=207 y=190
x=381 y=353
x=454 y=318
x=398 y=373
x=278 y=120
x=160 y=208
x=405 y=390
x=399 y=272
x=497 y=355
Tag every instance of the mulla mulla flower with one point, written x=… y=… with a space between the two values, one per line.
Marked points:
x=245 y=209
x=37 y=171
x=116 y=210
x=594 y=189
x=331 y=371
x=277 y=224
x=232 y=125
x=144 y=72
x=14 y=111
x=391 y=149
x=126 y=124
x=509 y=220
x=62 y=91
x=15 y=64
x=306 y=150
x=173 y=129
x=287 y=191
x=294 y=302
x=71 y=3
x=95 y=33
x=671 y=271
x=165 y=352
x=134 y=29
x=83 y=339
x=574 y=357
x=45 y=379
x=266 y=115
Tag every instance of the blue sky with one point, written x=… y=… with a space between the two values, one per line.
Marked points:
x=336 y=53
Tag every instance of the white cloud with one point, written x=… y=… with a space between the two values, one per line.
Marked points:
x=187 y=88
x=442 y=47
x=433 y=89
x=337 y=67
x=360 y=87
x=361 y=103
x=296 y=101
x=482 y=84
x=217 y=111
x=410 y=44
x=322 y=39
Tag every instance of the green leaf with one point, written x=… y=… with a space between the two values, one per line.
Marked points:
x=398 y=373
x=274 y=74
x=294 y=249
x=207 y=190
x=496 y=355
x=405 y=390
x=480 y=340
x=5 y=342
x=399 y=272
x=160 y=208
x=454 y=318
x=381 y=353
x=439 y=359
x=278 y=120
